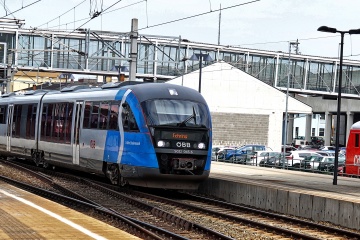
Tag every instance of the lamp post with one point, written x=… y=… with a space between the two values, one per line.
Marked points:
x=200 y=57
x=337 y=135
x=286 y=104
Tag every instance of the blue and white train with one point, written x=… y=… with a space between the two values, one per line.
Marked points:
x=155 y=135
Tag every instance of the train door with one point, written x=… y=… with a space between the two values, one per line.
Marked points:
x=9 y=127
x=76 y=146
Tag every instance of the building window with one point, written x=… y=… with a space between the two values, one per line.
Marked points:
x=314 y=116
x=321 y=132
x=313 y=132
x=322 y=116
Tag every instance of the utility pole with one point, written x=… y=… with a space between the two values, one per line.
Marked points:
x=287 y=99
x=8 y=75
x=219 y=26
x=133 y=49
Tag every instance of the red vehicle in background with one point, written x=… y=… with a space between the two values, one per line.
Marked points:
x=352 y=163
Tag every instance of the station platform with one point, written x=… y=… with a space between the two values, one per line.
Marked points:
x=302 y=194
x=24 y=215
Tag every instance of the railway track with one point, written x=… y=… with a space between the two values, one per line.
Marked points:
x=85 y=195
x=194 y=215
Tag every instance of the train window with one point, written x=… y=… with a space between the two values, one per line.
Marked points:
x=356 y=140
x=46 y=121
x=3 y=113
x=101 y=115
x=16 y=121
x=30 y=121
x=43 y=121
x=56 y=122
x=94 y=118
x=87 y=110
x=24 y=117
x=68 y=122
x=114 y=113
x=128 y=118
x=104 y=115
x=62 y=122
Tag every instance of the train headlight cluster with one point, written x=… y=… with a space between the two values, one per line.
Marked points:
x=201 y=146
x=162 y=143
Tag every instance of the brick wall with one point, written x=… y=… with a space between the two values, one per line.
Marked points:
x=239 y=129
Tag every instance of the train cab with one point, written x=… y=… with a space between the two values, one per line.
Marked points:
x=353 y=150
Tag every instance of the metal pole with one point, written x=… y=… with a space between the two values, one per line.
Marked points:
x=133 y=49
x=8 y=77
x=219 y=26
x=337 y=135
x=200 y=72
x=286 y=108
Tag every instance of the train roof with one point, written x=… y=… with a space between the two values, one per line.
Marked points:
x=356 y=125
x=143 y=92
x=164 y=90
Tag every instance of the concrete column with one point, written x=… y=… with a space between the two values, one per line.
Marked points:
x=308 y=127
x=349 y=123
x=328 y=129
x=290 y=132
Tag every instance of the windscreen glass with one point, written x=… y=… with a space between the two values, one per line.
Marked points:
x=176 y=113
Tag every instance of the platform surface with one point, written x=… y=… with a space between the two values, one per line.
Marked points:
x=24 y=215
x=312 y=183
x=304 y=194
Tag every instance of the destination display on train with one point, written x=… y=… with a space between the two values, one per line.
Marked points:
x=186 y=136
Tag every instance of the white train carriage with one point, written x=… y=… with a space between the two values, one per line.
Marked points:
x=18 y=128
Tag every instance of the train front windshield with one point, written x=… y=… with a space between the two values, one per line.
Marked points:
x=181 y=113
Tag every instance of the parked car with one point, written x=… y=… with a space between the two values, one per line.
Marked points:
x=298 y=141
x=216 y=149
x=308 y=147
x=267 y=158
x=317 y=141
x=314 y=161
x=238 y=153
x=330 y=153
x=341 y=165
x=288 y=148
x=297 y=159
x=326 y=163
x=326 y=148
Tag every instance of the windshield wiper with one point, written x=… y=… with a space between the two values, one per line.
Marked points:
x=193 y=116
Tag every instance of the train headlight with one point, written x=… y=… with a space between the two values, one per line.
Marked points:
x=162 y=143
x=201 y=146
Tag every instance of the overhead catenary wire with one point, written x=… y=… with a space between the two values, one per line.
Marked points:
x=73 y=8
x=7 y=9
x=22 y=7
x=75 y=21
x=198 y=15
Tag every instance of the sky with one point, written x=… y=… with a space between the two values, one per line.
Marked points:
x=256 y=24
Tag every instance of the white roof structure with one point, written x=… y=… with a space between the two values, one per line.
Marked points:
x=227 y=89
